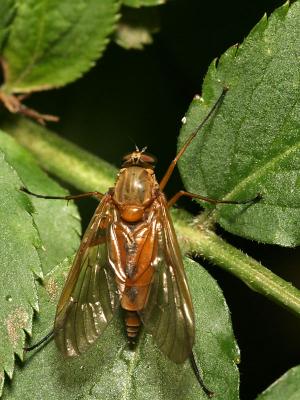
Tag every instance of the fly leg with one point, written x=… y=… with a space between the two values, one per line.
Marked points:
x=171 y=167
x=198 y=376
x=181 y=193
x=40 y=342
x=70 y=197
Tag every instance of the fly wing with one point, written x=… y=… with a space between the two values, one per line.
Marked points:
x=89 y=297
x=168 y=313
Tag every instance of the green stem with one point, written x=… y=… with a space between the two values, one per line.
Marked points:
x=87 y=173
x=62 y=158
x=260 y=279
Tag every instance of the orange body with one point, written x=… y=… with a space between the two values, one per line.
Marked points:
x=134 y=243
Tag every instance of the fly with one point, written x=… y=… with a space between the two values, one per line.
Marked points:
x=129 y=257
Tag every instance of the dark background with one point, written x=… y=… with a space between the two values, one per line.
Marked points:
x=141 y=96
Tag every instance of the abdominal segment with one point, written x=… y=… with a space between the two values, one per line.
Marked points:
x=132 y=255
x=133 y=323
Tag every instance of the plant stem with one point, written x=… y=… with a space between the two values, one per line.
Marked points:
x=62 y=158
x=87 y=173
x=260 y=279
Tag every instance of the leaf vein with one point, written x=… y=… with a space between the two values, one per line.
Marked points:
x=261 y=171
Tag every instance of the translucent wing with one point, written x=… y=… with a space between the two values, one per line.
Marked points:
x=168 y=313
x=89 y=297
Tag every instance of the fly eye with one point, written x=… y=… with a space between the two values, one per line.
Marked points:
x=127 y=157
x=148 y=158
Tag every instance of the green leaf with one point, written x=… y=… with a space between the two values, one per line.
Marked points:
x=251 y=144
x=19 y=262
x=287 y=387
x=57 y=221
x=64 y=38
x=141 y=3
x=136 y=27
x=111 y=371
x=23 y=247
x=7 y=11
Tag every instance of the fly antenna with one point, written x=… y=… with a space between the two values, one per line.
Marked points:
x=167 y=175
x=135 y=145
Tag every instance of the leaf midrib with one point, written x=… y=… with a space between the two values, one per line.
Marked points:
x=259 y=172
x=129 y=376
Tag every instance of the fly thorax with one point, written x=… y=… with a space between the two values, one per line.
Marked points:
x=134 y=192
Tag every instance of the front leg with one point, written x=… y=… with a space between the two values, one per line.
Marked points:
x=70 y=197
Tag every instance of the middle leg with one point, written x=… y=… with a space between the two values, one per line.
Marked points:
x=181 y=193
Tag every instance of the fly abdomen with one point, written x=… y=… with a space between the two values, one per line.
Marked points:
x=133 y=323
